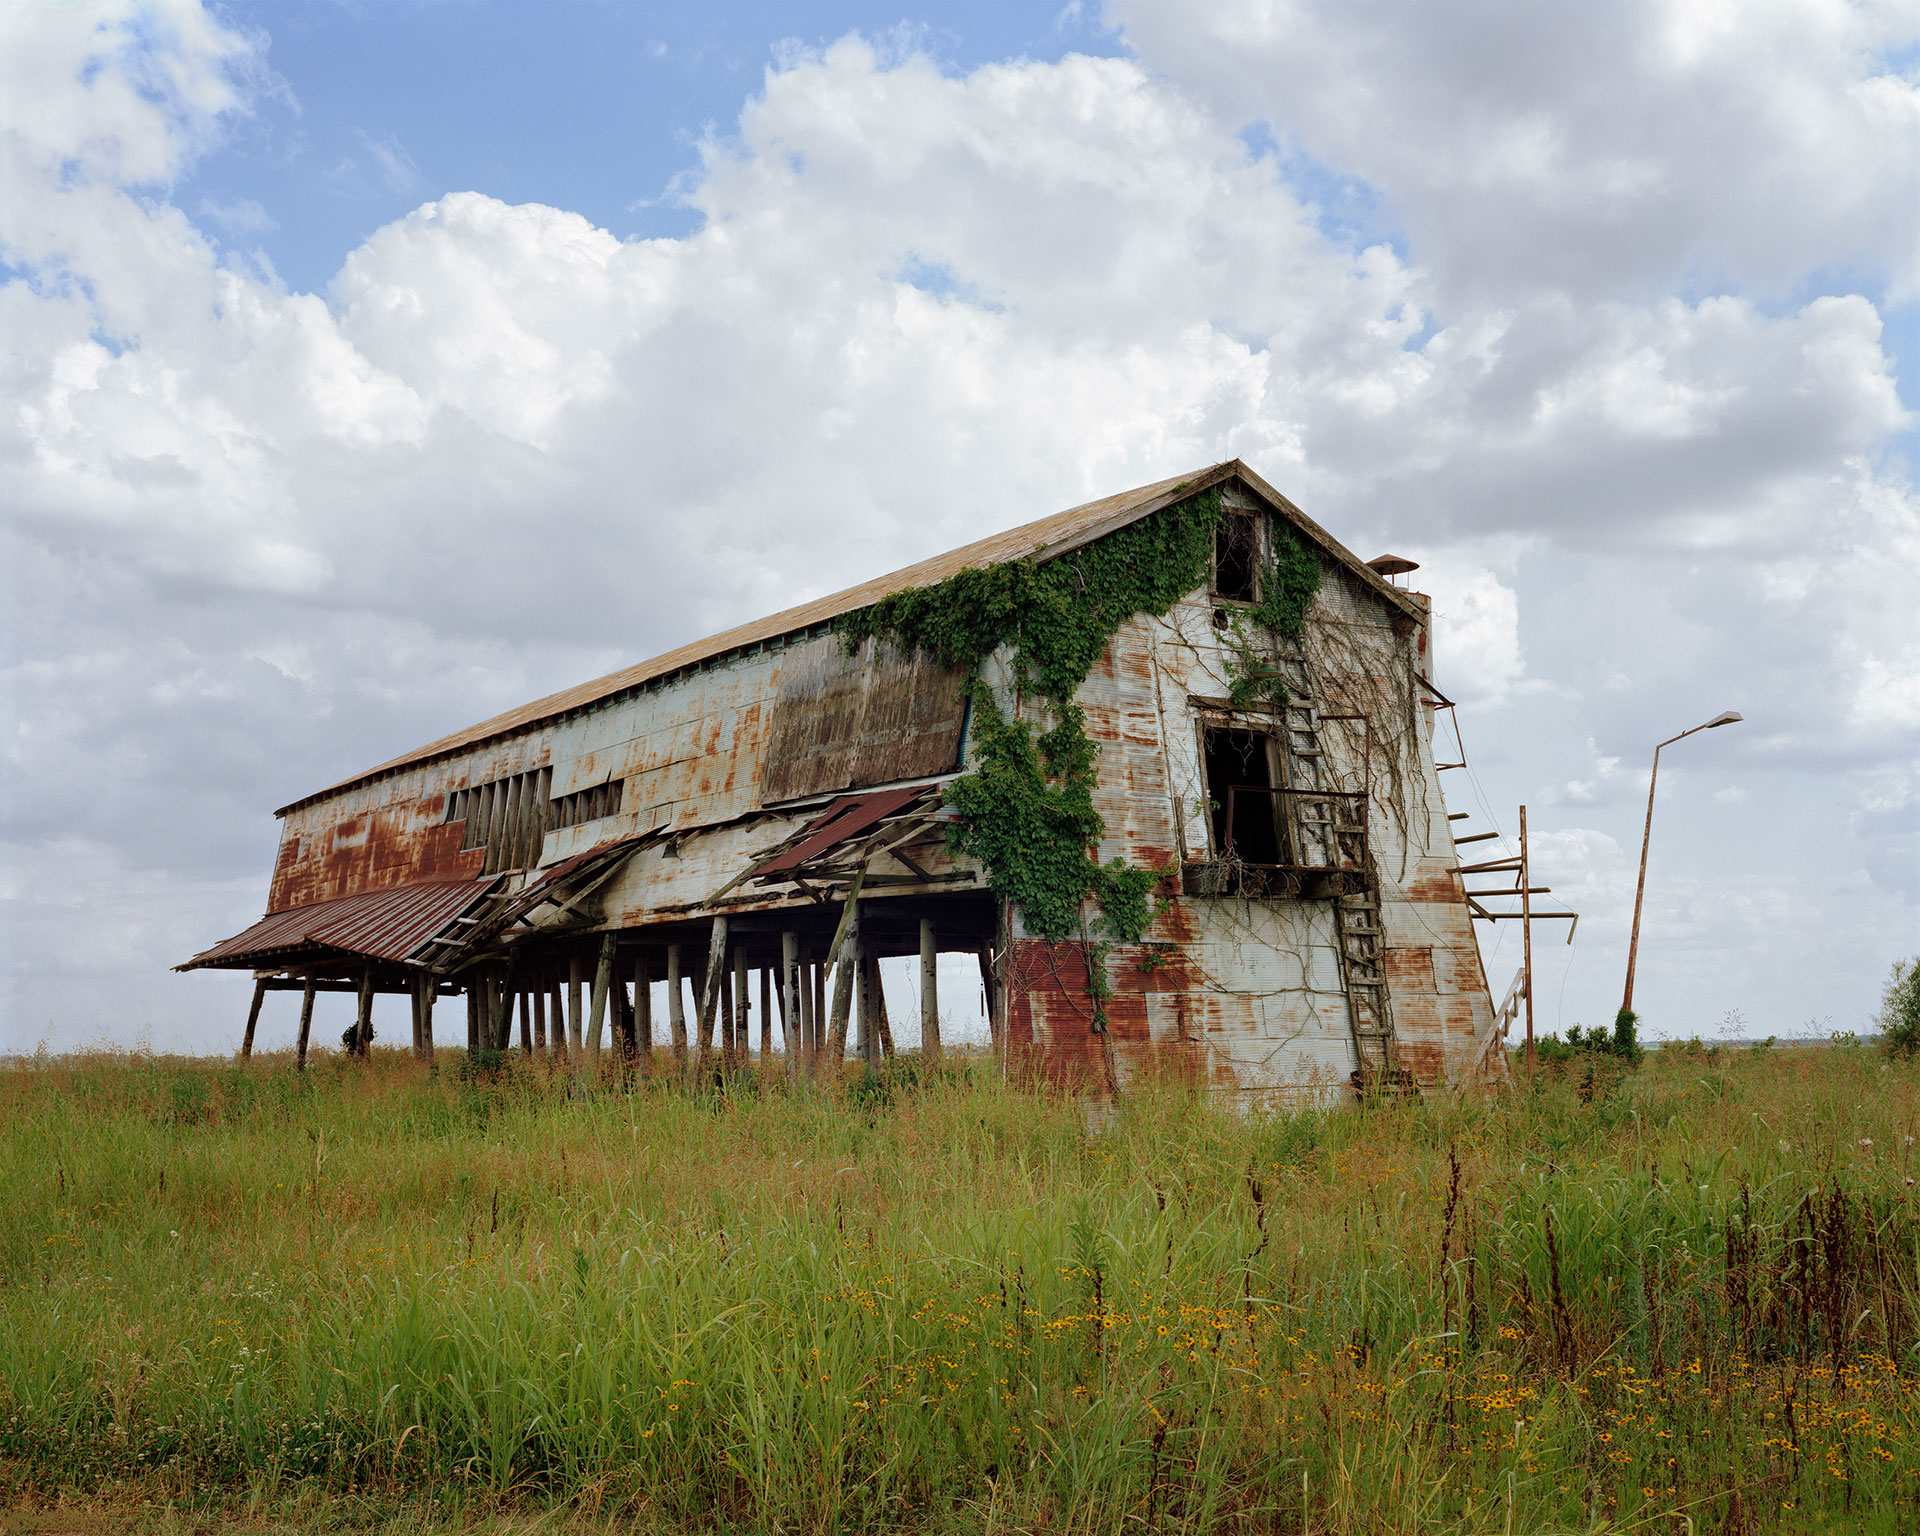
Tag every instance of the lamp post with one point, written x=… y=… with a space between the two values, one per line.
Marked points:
x=1729 y=717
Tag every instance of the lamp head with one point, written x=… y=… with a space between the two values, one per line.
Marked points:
x=1731 y=717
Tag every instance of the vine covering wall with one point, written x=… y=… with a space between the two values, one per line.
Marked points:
x=1027 y=811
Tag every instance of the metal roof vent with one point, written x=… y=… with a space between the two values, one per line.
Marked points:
x=1393 y=565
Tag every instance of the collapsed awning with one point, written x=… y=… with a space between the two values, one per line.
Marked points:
x=384 y=925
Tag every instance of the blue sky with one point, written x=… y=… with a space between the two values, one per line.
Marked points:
x=588 y=105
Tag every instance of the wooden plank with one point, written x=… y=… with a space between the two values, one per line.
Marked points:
x=253 y=1019
x=929 y=992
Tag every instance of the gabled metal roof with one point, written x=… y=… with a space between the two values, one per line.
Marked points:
x=1043 y=540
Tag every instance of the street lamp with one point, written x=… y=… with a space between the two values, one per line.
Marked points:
x=1730 y=717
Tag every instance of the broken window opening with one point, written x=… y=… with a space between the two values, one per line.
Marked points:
x=1236 y=557
x=585 y=805
x=506 y=819
x=1243 y=808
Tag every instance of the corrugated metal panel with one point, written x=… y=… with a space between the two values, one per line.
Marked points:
x=1048 y=537
x=382 y=925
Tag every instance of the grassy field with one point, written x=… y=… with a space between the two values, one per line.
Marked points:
x=1687 y=1299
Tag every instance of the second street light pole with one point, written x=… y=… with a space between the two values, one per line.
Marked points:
x=1728 y=717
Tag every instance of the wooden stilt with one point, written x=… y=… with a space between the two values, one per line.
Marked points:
x=790 y=999
x=766 y=1015
x=429 y=989
x=596 y=1020
x=556 y=1022
x=253 y=1017
x=929 y=992
x=677 y=1012
x=363 y=1020
x=413 y=1011
x=576 y=1024
x=740 y=999
x=817 y=973
x=809 y=1027
x=526 y=1022
x=643 y=1016
x=540 y=1020
x=876 y=1030
x=473 y=1012
x=306 y=1027
x=710 y=998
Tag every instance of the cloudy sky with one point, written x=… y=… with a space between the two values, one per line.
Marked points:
x=369 y=369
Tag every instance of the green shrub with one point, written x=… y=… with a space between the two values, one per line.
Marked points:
x=1899 y=1017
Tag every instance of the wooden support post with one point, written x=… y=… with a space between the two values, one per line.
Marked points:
x=766 y=1015
x=875 y=997
x=526 y=1022
x=602 y=984
x=306 y=1027
x=846 y=952
x=429 y=988
x=818 y=974
x=253 y=1017
x=676 y=1012
x=473 y=1012
x=809 y=1023
x=929 y=993
x=576 y=1024
x=413 y=1011
x=503 y=1028
x=643 y=1015
x=710 y=1000
x=556 y=1021
x=363 y=1019
x=1526 y=934
x=790 y=1025
x=540 y=1020
x=987 y=991
x=739 y=997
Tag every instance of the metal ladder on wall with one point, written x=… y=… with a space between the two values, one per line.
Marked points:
x=1330 y=833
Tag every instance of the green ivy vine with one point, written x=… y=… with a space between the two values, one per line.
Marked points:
x=1027 y=811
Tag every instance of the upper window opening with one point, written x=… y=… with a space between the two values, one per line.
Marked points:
x=1243 y=809
x=588 y=804
x=507 y=818
x=1236 y=556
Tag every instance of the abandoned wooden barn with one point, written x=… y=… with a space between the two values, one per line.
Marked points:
x=1164 y=763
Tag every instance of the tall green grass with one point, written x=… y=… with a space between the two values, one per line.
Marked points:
x=1692 y=1293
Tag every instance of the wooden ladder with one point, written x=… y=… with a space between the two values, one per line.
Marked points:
x=1330 y=833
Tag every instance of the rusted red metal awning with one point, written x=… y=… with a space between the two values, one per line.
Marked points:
x=380 y=925
x=847 y=817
